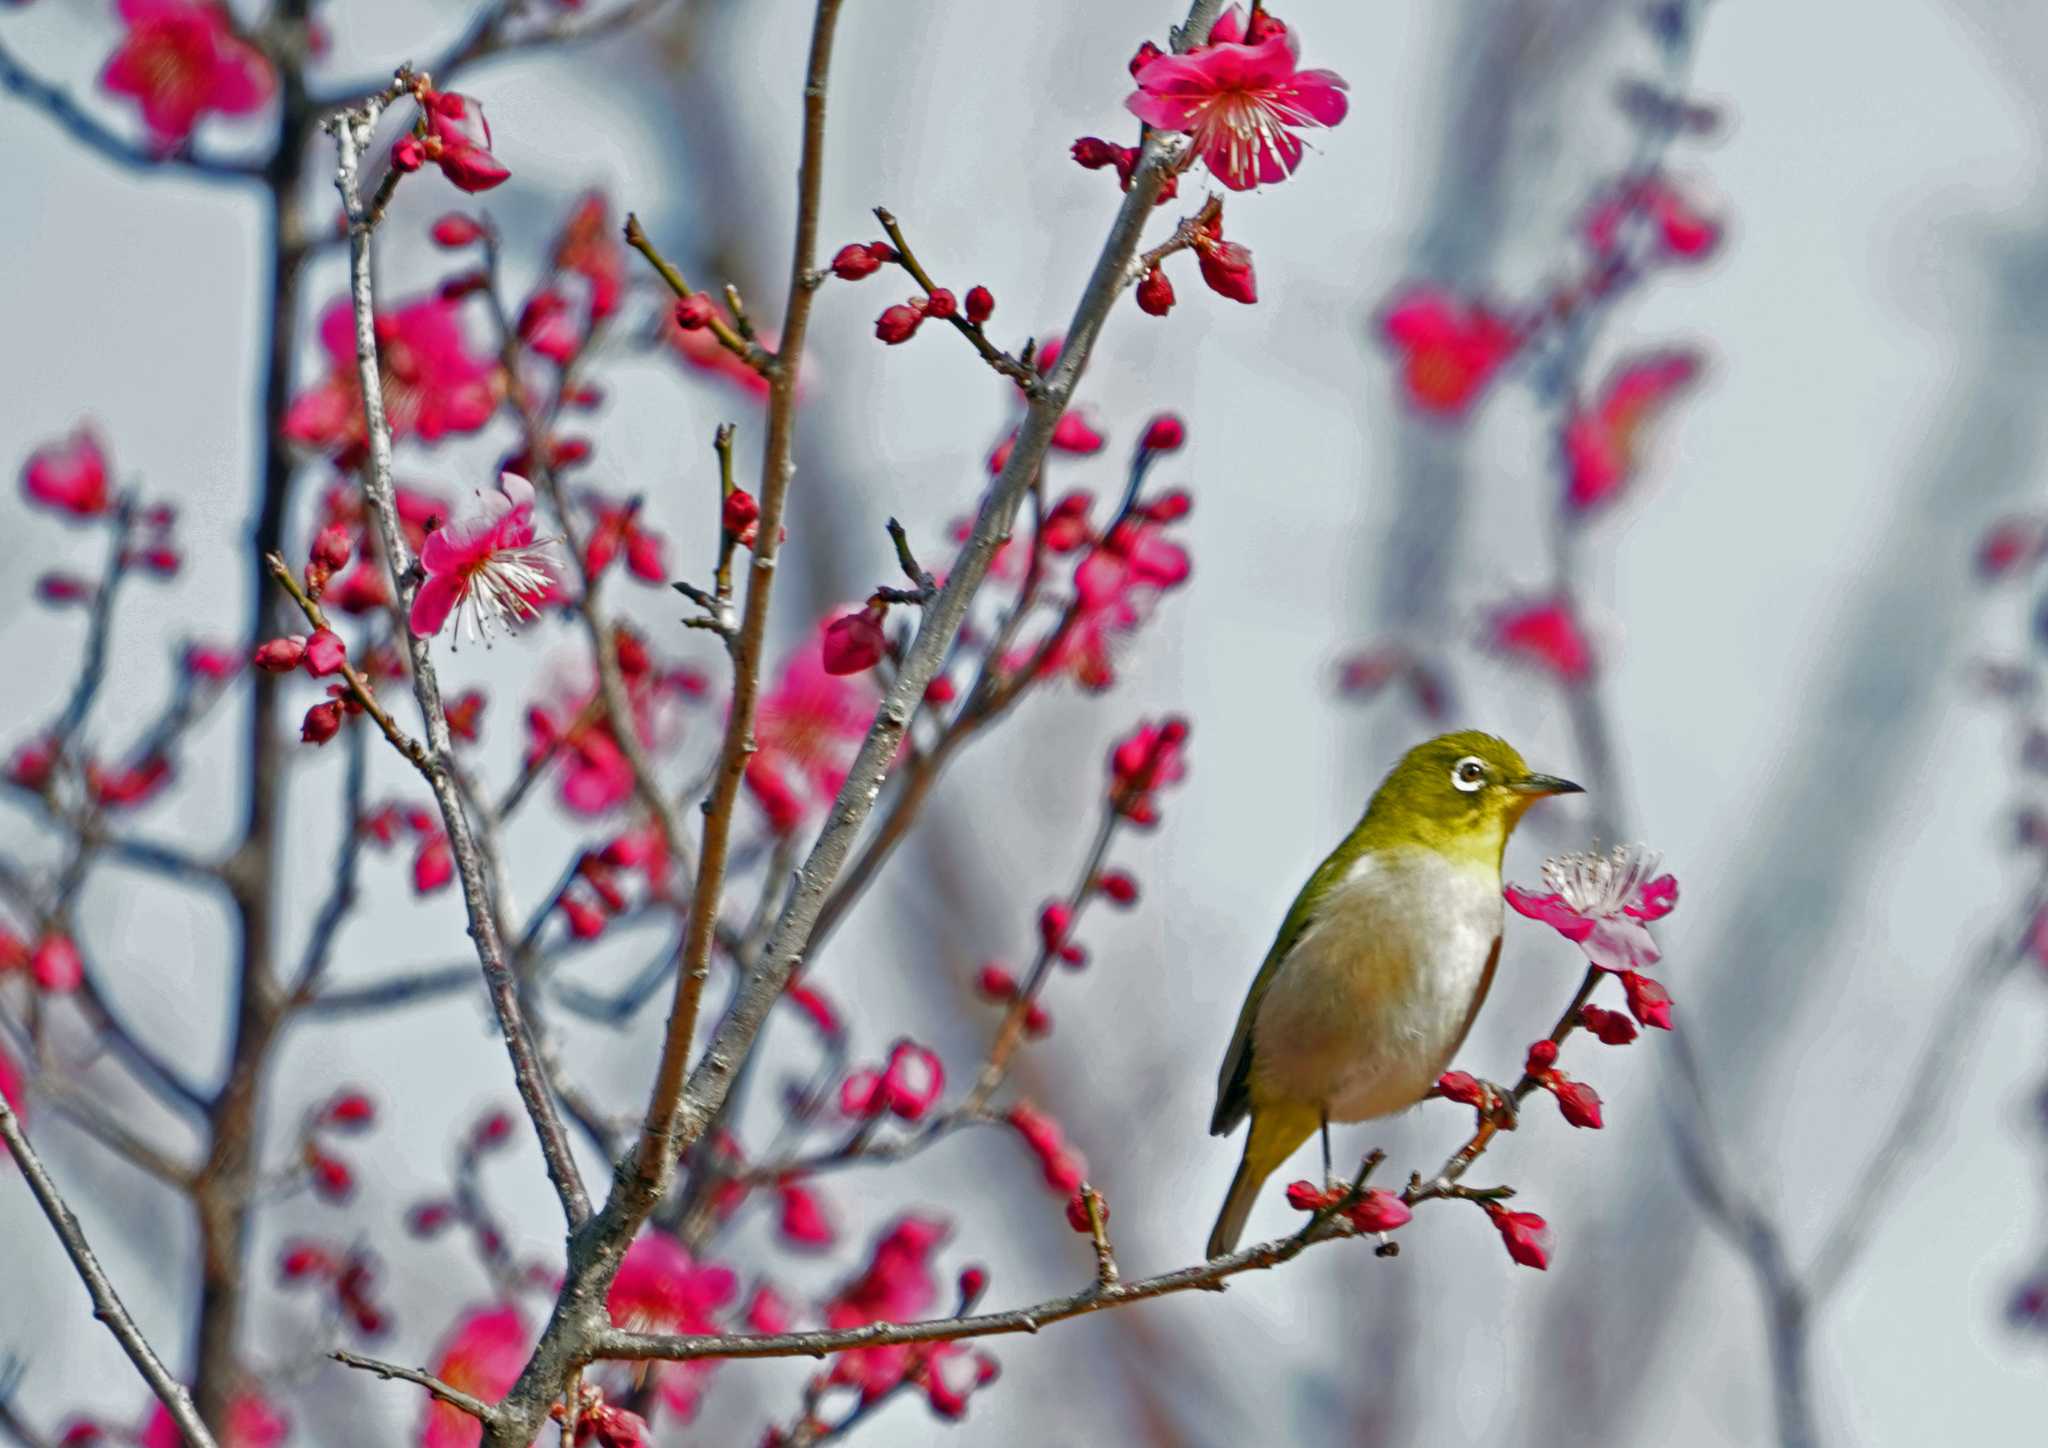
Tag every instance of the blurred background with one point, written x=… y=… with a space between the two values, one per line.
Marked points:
x=1784 y=604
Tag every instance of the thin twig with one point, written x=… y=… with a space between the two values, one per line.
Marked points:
x=106 y=1303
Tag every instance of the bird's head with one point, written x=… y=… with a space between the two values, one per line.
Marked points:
x=1460 y=794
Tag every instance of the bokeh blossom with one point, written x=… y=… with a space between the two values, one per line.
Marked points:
x=1602 y=439
x=662 y=1288
x=483 y=1358
x=1449 y=348
x=808 y=728
x=433 y=384
x=180 y=60
x=1544 y=632
x=69 y=476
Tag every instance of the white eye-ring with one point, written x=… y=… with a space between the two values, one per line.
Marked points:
x=1469 y=773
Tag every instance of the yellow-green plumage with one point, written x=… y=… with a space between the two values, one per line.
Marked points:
x=1382 y=961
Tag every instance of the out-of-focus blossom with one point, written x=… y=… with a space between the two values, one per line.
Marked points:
x=909 y=1085
x=253 y=1422
x=433 y=384
x=616 y=528
x=457 y=139
x=180 y=60
x=808 y=728
x=1150 y=757
x=1601 y=440
x=1602 y=904
x=69 y=476
x=700 y=347
x=2011 y=545
x=661 y=1288
x=1544 y=632
x=55 y=963
x=482 y=1358
x=1449 y=348
x=1064 y=1168
x=801 y=1216
x=488 y=568
x=768 y=1311
x=12 y=1088
x=1242 y=96
x=898 y=1285
x=854 y=642
x=589 y=247
x=1682 y=229
x=434 y=866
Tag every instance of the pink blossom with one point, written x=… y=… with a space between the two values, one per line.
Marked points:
x=483 y=1358
x=181 y=59
x=253 y=1422
x=768 y=1311
x=12 y=1088
x=487 y=568
x=56 y=965
x=1601 y=903
x=1601 y=440
x=802 y=1218
x=1449 y=348
x=700 y=348
x=1683 y=230
x=589 y=247
x=1544 y=632
x=434 y=866
x=433 y=384
x=898 y=1285
x=69 y=476
x=617 y=528
x=1242 y=98
x=661 y=1288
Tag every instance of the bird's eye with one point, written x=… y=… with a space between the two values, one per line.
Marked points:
x=1468 y=773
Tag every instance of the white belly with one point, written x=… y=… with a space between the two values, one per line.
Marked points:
x=1368 y=1009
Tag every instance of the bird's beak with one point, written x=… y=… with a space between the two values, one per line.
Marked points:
x=1543 y=784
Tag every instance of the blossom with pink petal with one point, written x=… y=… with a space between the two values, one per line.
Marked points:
x=808 y=728
x=433 y=384
x=1242 y=97
x=486 y=568
x=1601 y=440
x=662 y=1288
x=898 y=1285
x=1449 y=348
x=589 y=248
x=1602 y=904
x=1544 y=632
x=180 y=60
x=69 y=475
x=616 y=528
x=458 y=140
x=802 y=1218
x=253 y=1422
x=483 y=1358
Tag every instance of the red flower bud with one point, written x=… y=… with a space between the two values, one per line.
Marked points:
x=56 y=964
x=1165 y=433
x=332 y=1179
x=1170 y=507
x=331 y=548
x=1542 y=1056
x=941 y=303
x=1227 y=270
x=973 y=1282
x=62 y=588
x=429 y=1217
x=585 y=921
x=325 y=653
x=406 y=155
x=1077 y=1213
x=1306 y=1196
x=322 y=723
x=1118 y=886
x=1053 y=922
x=739 y=512
x=1155 y=293
x=1612 y=1027
x=898 y=323
x=854 y=261
x=980 y=305
x=493 y=1130
x=456 y=229
x=350 y=1109
x=1648 y=1001
x=1527 y=1236
x=301 y=1260
x=1094 y=153
x=996 y=983
x=693 y=313
x=1037 y=1021
x=280 y=655
x=1579 y=1103
x=1462 y=1087
x=1378 y=1211
x=855 y=642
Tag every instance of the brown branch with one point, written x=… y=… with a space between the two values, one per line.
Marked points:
x=454 y=1397
x=749 y=352
x=358 y=684
x=106 y=1303
x=351 y=130
x=54 y=102
x=1026 y=378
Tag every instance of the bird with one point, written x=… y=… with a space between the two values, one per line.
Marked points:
x=1382 y=962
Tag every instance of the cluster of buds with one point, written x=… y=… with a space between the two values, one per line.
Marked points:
x=1576 y=1101
x=861 y=259
x=995 y=982
x=332 y=548
x=1092 y=153
x=433 y=862
x=907 y=1086
x=1055 y=934
x=1225 y=266
x=1148 y=757
x=596 y=874
x=345 y=1113
x=349 y=1275
x=451 y=133
x=1063 y=1166
x=1373 y=1211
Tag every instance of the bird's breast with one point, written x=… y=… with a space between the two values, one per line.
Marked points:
x=1367 y=1010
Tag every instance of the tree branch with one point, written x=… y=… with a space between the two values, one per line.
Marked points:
x=54 y=102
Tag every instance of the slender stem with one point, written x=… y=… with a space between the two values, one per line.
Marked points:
x=106 y=1303
x=351 y=130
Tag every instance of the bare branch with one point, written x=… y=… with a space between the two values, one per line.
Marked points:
x=54 y=102
x=454 y=1397
x=106 y=1303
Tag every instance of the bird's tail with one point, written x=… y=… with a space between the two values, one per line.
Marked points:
x=1276 y=1132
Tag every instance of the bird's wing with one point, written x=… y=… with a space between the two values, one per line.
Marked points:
x=1233 y=1082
